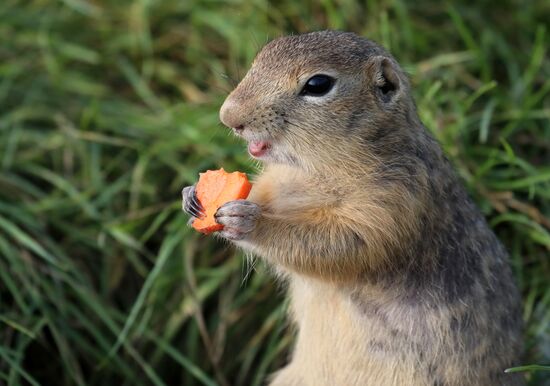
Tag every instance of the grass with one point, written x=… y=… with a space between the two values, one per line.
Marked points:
x=107 y=109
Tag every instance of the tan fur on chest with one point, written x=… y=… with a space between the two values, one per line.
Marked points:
x=283 y=190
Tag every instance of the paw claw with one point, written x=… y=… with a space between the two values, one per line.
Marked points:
x=190 y=203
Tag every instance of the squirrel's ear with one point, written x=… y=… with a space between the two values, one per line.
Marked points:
x=385 y=77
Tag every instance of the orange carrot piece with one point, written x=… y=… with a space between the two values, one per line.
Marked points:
x=215 y=188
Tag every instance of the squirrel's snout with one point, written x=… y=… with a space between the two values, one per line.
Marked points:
x=231 y=115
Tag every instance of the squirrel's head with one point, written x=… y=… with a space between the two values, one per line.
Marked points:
x=324 y=94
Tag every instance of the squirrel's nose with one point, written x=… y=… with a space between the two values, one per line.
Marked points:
x=231 y=114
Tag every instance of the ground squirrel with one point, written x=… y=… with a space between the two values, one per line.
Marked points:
x=394 y=277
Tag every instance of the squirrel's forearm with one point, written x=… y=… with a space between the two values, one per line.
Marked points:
x=314 y=249
x=338 y=243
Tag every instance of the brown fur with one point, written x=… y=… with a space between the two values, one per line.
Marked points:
x=394 y=276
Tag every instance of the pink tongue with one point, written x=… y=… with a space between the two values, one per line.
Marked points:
x=257 y=148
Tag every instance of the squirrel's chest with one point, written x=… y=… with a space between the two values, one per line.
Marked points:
x=282 y=190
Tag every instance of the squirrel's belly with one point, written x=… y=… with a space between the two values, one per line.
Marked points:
x=336 y=347
x=371 y=340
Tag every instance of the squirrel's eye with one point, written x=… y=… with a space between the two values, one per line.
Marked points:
x=317 y=85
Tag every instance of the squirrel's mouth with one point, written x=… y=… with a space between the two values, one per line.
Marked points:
x=258 y=148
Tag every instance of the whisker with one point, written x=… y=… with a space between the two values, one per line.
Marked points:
x=250 y=266
x=224 y=89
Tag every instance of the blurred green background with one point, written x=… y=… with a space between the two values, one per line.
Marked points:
x=109 y=108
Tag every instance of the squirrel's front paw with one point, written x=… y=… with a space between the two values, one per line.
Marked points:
x=190 y=204
x=238 y=218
